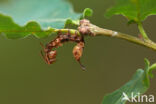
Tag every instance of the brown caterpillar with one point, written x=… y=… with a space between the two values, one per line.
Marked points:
x=50 y=55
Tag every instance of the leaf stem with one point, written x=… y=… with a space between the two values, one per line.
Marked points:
x=142 y=31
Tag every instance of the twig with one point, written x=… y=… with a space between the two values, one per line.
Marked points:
x=87 y=28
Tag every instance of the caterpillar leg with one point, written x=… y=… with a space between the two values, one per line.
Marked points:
x=77 y=52
x=82 y=66
x=49 y=55
x=45 y=58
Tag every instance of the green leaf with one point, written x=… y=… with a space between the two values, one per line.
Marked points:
x=137 y=85
x=72 y=23
x=20 y=18
x=136 y=10
x=14 y=31
x=87 y=12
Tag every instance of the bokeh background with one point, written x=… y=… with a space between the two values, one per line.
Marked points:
x=110 y=63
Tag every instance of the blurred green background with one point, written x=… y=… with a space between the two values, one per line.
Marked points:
x=110 y=63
